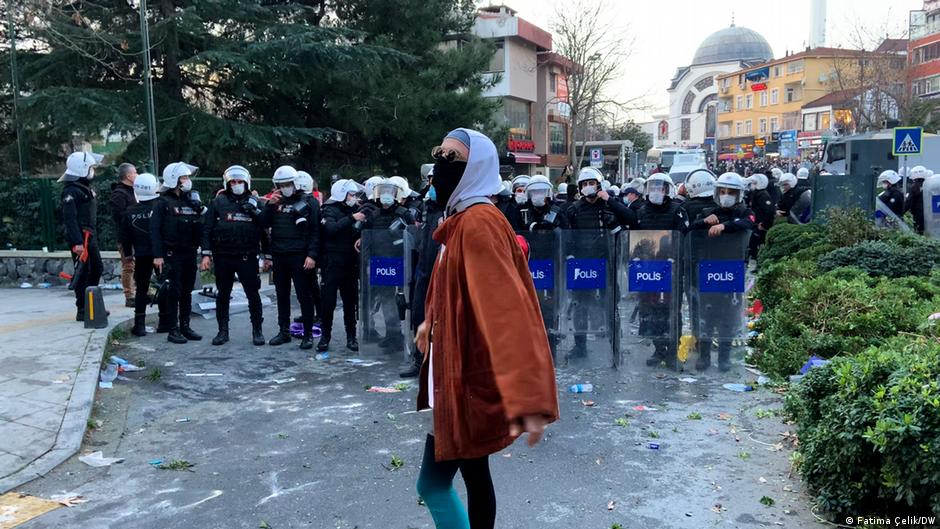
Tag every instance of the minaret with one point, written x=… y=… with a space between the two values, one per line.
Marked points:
x=817 y=23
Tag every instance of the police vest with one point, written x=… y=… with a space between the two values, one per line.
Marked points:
x=542 y=218
x=598 y=215
x=137 y=218
x=290 y=226
x=663 y=217
x=85 y=204
x=182 y=223
x=696 y=206
x=235 y=231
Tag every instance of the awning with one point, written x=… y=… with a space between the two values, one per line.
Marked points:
x=525 y=157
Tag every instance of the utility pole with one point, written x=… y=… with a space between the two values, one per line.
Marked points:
x=148 y=88
x=14 y=73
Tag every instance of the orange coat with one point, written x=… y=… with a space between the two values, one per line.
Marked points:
x=492 y=361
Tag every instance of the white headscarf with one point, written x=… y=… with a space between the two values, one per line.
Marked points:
x=481 y=178
x=341 y=188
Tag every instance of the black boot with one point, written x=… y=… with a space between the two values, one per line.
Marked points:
x=140 y=328
x=80 y=315
x=257 y=337
x=307 y=341
x=415 y=368
x=222 y=336
x=282 y=337
x=175 y=336
x=188 y=332
x=352 y=343
x=164 y=324
x=324 y=343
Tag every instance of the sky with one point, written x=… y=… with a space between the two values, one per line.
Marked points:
x=666 y=33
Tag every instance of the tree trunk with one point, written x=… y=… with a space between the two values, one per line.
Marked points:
x=171 y=80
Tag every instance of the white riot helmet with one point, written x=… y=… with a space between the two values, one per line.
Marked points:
x=145 y=187
x=385 y=191
x=563 y=188
x=404 y=190
x=700 y=183
x=614 y=191
x=80 y=164
x=802 y=173
x=758 y=180
x=638 y=183
x=919 y=172
x=889 y=176
x=519 y=181
x=929 y=173
x=658 y=187
x=605 y=185
x=236 y=172
x=733 y=182
x=284 y=174
x=590 y=173
x=173 y=172
x=776 y=172
x=341 y=189
x=788 y=179
x=539 y=190
x=370 y=184
x=304 y=182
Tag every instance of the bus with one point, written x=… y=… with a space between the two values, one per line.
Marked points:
x=665 y=156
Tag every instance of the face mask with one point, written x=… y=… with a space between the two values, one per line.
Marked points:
x=186 y=186
x=887 y=186
x=387 y=200
x=432 y=194
x=238 y=189
x=286 y=192
x=589 y=191
x=446 y=177
x=538 y=201
x=352 y=201
x=91 y=175
x=656 y=197
x=520 y=198
x=726 y=201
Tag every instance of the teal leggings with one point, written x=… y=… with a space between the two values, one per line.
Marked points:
x=436 y=488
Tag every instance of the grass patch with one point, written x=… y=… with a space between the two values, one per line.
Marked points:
x=695 y=416
x=154 y=375
x=177 y=464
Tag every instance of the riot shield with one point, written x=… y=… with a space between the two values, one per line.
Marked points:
x=649 y=299
x=384 y=293
x=547 y=274
x=586 y=338
x=885 y=218
x=715 y=282
x=932 y=207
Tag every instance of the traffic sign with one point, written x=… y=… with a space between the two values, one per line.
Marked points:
x=597 y=158
x=788 y=135
x=907 y=141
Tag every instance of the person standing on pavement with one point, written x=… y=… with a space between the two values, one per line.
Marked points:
x=340 y=228
x=122 y=197
x=307 y=185
x=134 y=238
x=914 y=201
x=700 y=187
x=485 y=382
x=295 y=246
x=232 y=239
x=79 y=210
x=763 y=207
x=892 y=195
x=175 y=230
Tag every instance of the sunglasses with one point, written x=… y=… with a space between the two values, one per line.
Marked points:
x=441 y=154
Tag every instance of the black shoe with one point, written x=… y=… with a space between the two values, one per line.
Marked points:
x=324 y=343
x=281 y=338
x=80 y=315
x=176 y=337
x=188 y=332
x=140 y=328
x=299 y=319
x=412 y=371
x=220 y=338
x=257 y=338
x=129 y=303
x=352 y=344
x=655 y=360
x=307 y=342
x=578 y=351
x=392 y=342
x=164 y=326
x=702 y=364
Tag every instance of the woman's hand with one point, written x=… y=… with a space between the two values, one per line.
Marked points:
x=534 y=425
x=422 y=337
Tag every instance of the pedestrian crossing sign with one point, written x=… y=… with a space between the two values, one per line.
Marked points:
x=907 y=141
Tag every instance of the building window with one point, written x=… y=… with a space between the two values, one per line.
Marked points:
x=824 y=121
x=558 y=138
x=749 y=101
x=794 y=67
x=553 y=81
x=792 y=95
x=776 y=71
x=517 y=113
x=702 y=84
x=687 y=103
x=738 y=128
x=926 y=86
x=774 y=127
x=740 y=103
x=748 y=127
x=763 y=98
x=774 y=96
x=809 y=122
x=686 y=129
x=762 y=126
x=498 y=60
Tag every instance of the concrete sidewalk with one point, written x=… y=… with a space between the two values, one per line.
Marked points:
x=49 y=377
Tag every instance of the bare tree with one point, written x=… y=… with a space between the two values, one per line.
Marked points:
x=587 y=34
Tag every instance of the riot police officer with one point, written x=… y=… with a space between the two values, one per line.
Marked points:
x=729 y=216
x=763 y=207
x=914 y=201
x=295 y=243
x=700 y=186
x=504 y=202
x=340 y=228
x=176 y=229
x=539 y=212
x=306 y=184
x=232 y=239
x=79 y=207
x=892 y=195
x=134 y=236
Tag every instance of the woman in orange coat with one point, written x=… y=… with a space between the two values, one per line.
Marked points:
x=487 y=382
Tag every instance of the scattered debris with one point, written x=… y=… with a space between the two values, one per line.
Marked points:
x=507 y=455
x=169 y=364
x=396 y=463
x=718 y=508
x=695 y=416
x=203 y=374
x=363 y=363
x=184 y=419
x=97 y=459
x=587 y=403
x=264 y=525
x=652 y=446
x=643 y=408
x=744 y=455
x=610 y=505
x=17 y=508
x=581 y=388
x=688 y=380
x=762 y=479
x=282 y=436
x=284 y=380
x=767 y=501
x=71 y=501
x=391 y=416
x=322 y=356
x=621 y=422
x=738 y=387
x=814 y=361
x=177 y=464
x=724 y=416
x=155 y=462
x=712 y=431
x=380 y=389
x=402 y=386
x=26 y=285
x=105 y=385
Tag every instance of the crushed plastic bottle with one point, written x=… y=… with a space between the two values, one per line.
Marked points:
x=738 y=387
x=581 y=388
x=322 y=356
x=109 y=374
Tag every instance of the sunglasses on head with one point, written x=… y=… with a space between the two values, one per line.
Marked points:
x=442 y=154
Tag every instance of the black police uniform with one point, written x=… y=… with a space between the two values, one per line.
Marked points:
x=339 y=231
x=715 y=314
x=915 y=204
x=427 y=249
x=79 y=207
x=313 y=281
x=295 y=236
x=507 y=206
x=694 y=206
x=546 y=217
x=176 y=229
x=134 y=236
x=233 y=236
x=894 y=199
x=763 y=207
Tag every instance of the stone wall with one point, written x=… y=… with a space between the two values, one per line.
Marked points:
x=35 y=267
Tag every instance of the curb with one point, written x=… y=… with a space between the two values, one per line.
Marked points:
x=72 y=431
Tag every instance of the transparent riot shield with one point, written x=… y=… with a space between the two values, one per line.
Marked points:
x=649 y=299
x=586 y=337
x=386 y=278
x=715 y=282
x=932 y=207
x=545 y=265
x=885 y=218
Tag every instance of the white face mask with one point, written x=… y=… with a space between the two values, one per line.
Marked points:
x=351 y=201
x=520 y=198
x=238 y=189
x=186 y=186
x=286 y=192
x=656 y=197
x=589 y=191
x=538 y=201
x=726 y=201
x=386 y=200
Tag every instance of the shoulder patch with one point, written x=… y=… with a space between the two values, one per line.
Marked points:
x=68 y=198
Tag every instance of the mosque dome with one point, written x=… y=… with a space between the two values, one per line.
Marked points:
x=733 y=44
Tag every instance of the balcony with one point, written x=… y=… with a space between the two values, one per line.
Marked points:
x=926 y=30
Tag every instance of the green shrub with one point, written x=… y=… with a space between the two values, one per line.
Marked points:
x=869 y=430
x=848 y=227
x=784 y=240
x=897 y=256
x=776 y=280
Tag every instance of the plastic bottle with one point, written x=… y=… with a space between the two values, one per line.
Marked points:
x=322 y=356
x=738 y=387
x=581 y=388
x=110 y=373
